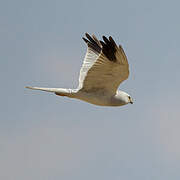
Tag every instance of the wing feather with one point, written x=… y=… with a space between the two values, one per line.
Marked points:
x=105 y=65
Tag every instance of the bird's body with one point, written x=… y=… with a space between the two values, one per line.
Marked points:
x=105 y=66
x=102 y=99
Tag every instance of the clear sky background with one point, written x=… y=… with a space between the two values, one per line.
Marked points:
x=46 y=137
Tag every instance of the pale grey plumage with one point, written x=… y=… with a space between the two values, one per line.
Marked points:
x=105 y=66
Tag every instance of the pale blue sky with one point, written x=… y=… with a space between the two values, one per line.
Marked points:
x=46 y=137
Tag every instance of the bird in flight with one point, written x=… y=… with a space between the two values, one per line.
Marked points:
x=104 y=68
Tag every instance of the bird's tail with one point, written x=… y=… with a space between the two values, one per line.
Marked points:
x=57 y=91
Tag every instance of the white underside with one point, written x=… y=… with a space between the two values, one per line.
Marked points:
x=96 y=98
x=100 y=99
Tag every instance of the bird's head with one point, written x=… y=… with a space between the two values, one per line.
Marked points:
x=123 y=98
x=127 y=98
x=130 y=99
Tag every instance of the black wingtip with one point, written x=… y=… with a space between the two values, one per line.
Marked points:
x=102 y=43
x=109 y=48
x=86 y=34
x=92 y=42
x=86 y=41
x=105 y=39
x=112 y=40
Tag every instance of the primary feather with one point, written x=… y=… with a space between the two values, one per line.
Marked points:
x=105 y=65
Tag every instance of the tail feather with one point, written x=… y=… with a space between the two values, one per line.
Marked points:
x=43 y=89
x=57 y=91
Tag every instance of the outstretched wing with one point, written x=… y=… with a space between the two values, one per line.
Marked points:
x=105 y=65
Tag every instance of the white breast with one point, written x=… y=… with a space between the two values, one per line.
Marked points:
x=101 y=99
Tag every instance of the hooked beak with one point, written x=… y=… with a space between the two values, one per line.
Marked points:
x=131 y=101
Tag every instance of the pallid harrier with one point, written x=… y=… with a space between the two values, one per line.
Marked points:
x=105 y=66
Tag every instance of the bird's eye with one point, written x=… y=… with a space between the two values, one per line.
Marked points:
x=129 y=97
